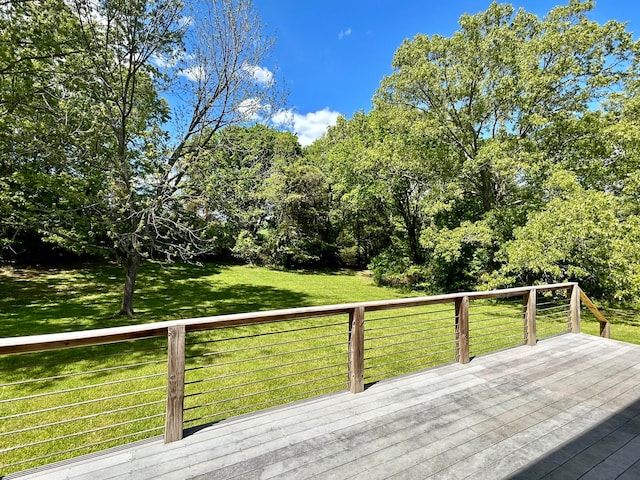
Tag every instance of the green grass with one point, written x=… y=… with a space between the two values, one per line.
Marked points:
x=57 y=300
x=229 y=371
x=86 y=297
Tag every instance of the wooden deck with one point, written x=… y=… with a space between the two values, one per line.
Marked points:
x=566 y=408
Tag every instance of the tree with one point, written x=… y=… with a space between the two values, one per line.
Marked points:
x=383 y=171
x=299 y=233
x=501 y=78
x=500 y=95
x=208 y=58
x=236 y=169
x=588 y=236
x=44 y=120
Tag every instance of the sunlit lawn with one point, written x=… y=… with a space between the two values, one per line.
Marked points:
x=229 y=371
x=48 y=301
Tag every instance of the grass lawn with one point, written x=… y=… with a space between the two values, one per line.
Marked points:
x=86 y=297
x=91 y=398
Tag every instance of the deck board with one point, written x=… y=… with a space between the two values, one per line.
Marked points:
x=567 y=407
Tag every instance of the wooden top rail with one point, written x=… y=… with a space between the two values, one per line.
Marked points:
x=605 y=326
x=591 y=306
x=38 y=343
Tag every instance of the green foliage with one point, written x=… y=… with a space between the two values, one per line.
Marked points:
x=394 y=268
x=272 y=201
x=88 y=157
x=50 y=135
x=300 y=224
x=506 y=153
x=581 y=235
x=503 y=104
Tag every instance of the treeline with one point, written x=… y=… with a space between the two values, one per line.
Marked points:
x=506 y=154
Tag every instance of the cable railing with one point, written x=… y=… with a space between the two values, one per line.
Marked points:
x=59 y=404
x=246 y=370
x=68 y=394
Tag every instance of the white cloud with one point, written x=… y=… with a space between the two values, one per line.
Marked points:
x=308 y=127
x=195 y=73
x=168 y=60
x=344 y=33
x=259 y=74
x=250 y=109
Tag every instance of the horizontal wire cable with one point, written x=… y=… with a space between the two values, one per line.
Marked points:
x=385 y=373
x=85 y=402
x=85 y=432
x=556 y=314
x=493 y=333
x=88 y=372
x=408 y=341
x=400 y=325
x=493 y=320
x=273 y=355
x=255 y=347
x=549 y=309
x=85 y=417
x=481 y=328
x=401 y=334
x=255 y=394
x=372 y=367
x=91 y=358
x=411 y=350
x=267 y=402
x=377 y=344
x=265 y=380
x=417 y=314
x=71 y=450
x=479 y=310
x=562 y=316
x=497 y=341
x=555 y=302
x=264 y=369
x=77 y=389
x=264 y=334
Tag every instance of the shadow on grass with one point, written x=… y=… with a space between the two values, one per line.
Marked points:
x=67 y=299
x=58 y=300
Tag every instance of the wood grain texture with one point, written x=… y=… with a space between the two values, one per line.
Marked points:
x=173 y=429
x=462 y=330
x=530 y=300
x=605 y=326
x=569 y=408
x=356 y=350
x=36 y=343
x=574 y=309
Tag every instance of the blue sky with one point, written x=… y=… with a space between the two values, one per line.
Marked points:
x=331 y=55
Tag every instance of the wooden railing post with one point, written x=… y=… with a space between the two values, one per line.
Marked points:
x=173 y=429
x=462 y=329
x=530 y=301
x=356 y=350
x=574 y=309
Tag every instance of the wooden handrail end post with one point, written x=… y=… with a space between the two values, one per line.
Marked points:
x=605 y=329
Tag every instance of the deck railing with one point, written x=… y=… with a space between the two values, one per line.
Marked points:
x=68 y=394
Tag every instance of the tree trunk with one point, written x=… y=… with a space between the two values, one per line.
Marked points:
x=487 y=189
x=130 y=265
x=413 y=235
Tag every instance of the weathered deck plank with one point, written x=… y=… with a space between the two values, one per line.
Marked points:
x=568 y=407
